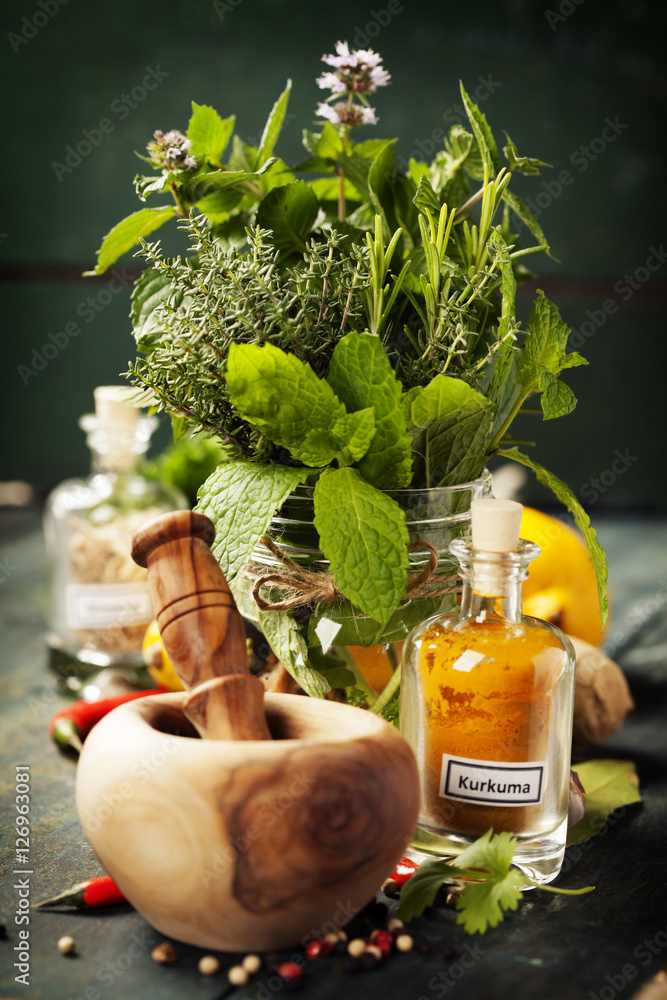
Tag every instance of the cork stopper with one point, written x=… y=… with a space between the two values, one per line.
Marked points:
x=112 y=410
x=496 y=525
x=495 y=529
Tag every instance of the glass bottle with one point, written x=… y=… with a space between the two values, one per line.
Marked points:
x=486 y=704
x=99 y=605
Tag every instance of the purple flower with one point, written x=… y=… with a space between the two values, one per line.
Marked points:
x=357 y=72
x=170 y=150
x=347 y=114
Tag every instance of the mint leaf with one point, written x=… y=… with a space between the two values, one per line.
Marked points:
x=524 y=164
x=287 y=642
x=340 y=623
x=126 y=234
x=361 y=376
x=289 y=212
x=522 y=211
x=609 y=785
x=426 y=199
x=450 y=425
x=363 y=535
x=557 y=398
x=151 y=291
x=483 y=134
x=201 y=185
x=149 y=185
x=209 y=133
x=273 y=126
x=243 y=157
x=286 y=401
x=353 y=434
x=544 y=358
x=356 y=169
x=241 y=498
x=566 y=496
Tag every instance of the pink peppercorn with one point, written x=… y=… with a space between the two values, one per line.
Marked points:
x=319 y=949
x=289 y=970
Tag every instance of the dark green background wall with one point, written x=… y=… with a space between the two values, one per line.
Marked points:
x=555 y=71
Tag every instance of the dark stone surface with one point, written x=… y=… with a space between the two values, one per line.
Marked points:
x=553 y=947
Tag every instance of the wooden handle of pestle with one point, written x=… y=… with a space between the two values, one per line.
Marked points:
x=200 y=627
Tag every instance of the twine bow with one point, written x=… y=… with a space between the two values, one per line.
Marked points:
x=301 y=586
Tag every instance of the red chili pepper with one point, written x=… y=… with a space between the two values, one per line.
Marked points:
x=88 y=895
x=71 y=726
x=404 y=870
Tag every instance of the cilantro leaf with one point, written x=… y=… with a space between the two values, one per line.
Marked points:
x=291 y=406
x=563 y=492
x=363 y=535
x=491 y=885
x=450 y=425
x=241 y=498
x=361 y=376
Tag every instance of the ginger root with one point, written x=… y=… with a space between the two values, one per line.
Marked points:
x=601 y=696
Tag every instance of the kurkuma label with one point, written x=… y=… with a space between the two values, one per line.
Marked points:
x=492 y=783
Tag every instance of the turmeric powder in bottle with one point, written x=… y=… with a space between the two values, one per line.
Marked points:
x=486 y=704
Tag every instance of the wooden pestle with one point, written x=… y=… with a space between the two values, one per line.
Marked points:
x=200 y=626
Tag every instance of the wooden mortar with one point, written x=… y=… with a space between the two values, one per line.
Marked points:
x=228 y=819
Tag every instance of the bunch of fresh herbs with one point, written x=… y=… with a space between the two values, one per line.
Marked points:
x=353 y=332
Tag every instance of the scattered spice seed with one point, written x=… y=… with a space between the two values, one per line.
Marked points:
x=252 y=964
x=390 y=887
x=342 y=936
x=404 y=942
x=66 y=945
x=452 y=899
x=164 y=954
x=395 y=924
x=237 y=975
x=356 y=947
x=289 y=971
x=319 y=949
x=209 y=965
x=384 y=941
x=372 y=949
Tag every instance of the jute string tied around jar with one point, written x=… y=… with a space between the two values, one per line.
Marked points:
x=301 y=586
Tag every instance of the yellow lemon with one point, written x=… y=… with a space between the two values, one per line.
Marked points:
x=561 y=587
x=157 y=662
